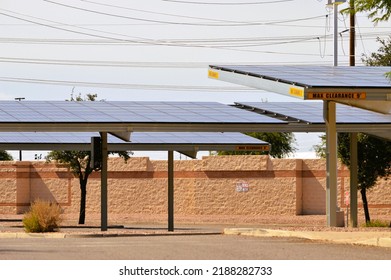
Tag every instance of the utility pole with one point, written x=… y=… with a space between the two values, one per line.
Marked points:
x=335 y=4
x=352 y=34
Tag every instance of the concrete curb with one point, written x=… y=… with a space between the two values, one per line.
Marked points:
x=19 y=235
x=380 y=239
x=59 y=235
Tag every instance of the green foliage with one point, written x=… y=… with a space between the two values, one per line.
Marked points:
x=78 y=161
x=42 y=217
x=379 y=10
x=5 y=156
x=383 y=55
x=377 y=223
x=281 y=144
x=374 y=157
x=89 y=97
x=320 y=149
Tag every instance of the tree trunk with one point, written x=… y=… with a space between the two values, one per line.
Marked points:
x=83 y=195
x=365 y=204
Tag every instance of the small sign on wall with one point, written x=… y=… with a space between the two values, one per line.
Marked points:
x=242 y=187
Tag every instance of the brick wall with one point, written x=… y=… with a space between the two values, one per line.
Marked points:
x=202 y=187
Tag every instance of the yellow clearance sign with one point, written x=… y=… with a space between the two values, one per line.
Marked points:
x=336 y=95
x=297 y=92
x=252 y=148
x=213 y=74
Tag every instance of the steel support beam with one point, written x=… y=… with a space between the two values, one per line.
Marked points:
x=353 y=179
x=103 y=179
x=331 y=161
x=170 y=190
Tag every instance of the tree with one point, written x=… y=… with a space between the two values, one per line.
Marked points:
x=5 y=156
x=379 y=10
x=281 y=144
x=79 y=162
x=374 y=161
x=383 y=55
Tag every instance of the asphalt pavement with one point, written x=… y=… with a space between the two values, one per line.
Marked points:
x=371 y=238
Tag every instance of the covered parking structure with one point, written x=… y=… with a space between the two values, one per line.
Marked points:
x=173 y=126
x=187 y=143
x=363 y=87
x=124 y=119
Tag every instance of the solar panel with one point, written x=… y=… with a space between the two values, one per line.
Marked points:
x=194 y=138
x=318 y=76
x=363 y=87
x=124 y=112
x=139 y=140
x=312 y=112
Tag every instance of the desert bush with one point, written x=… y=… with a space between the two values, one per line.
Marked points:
x=377 y=223
x=43 y=216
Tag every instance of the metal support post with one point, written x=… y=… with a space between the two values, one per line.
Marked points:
x=331 y=161
x=353 y=179
x=103 y=179
x=170 y=190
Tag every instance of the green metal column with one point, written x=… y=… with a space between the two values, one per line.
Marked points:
x=103 y=179
x=331 y=161
x=353 y=179
x=170 y=190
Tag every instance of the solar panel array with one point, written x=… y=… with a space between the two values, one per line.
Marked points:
x=153 y=116
x=318 y=76
x=194 y=138
x=312 y=112
x=158 y=138
x=124 y=112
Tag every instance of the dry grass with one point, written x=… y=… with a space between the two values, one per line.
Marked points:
x=43 y=216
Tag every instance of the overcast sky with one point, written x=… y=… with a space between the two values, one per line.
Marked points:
x=160 y=50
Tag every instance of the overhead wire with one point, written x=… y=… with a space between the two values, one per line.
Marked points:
x=139 y=41
x=155 y=13
x=59 y=28
x=230 y=43
x=230 y=23
x=125 y=85
x=228 y=3
x=360 y=35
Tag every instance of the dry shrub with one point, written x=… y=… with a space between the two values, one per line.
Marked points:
x=43 y=216
x=377 y=223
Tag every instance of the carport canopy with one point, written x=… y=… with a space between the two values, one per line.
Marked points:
x=363 y=87
x=348 y=119
x=125 y=118
x=122 y=118
x=188 y=143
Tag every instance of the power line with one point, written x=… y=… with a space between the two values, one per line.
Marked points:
x=139 y=40
x=130 y=64
x=60 y=28
x=156 y=13
x=127 y=64
x=174 y=22
x=228 y=3
x=142 y=41
x=125 y=86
